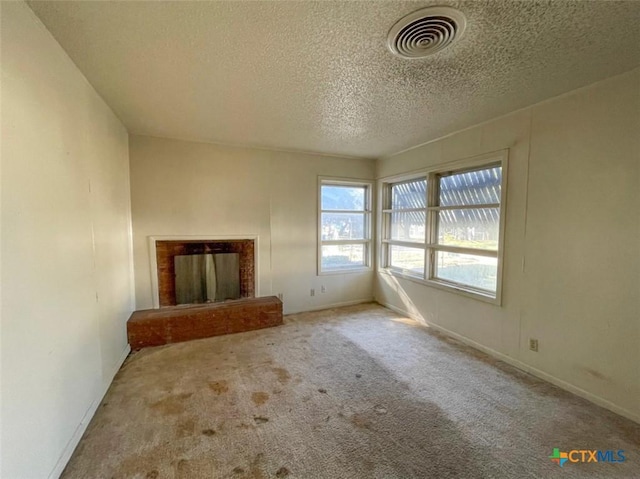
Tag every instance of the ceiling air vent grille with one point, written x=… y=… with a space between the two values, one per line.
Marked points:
x=426 y=32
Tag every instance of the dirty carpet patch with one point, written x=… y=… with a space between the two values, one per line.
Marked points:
x=356 y=392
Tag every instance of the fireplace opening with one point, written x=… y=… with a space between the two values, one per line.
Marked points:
x=207 y=278
x=196 y=272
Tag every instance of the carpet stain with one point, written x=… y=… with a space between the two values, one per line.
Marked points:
x=171 y=405
x=238 y=470
x=183 y=468
x=152 y=474
x=255 y=469
x=208 y=432
x=283 y=375
x=259 y=398
x=185 y=428
x=282 y=472
x=219 y=387
x=199 y=466
x=360 y=421
x=260 y=419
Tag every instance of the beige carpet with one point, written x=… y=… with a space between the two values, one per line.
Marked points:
x=355 y=392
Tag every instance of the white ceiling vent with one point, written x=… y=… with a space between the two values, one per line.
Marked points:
x=426 y=31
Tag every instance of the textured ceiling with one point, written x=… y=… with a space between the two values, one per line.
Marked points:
x=317 y=76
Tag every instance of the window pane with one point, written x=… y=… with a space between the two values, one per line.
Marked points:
x=471 y=188
x=343 y=256
x=343 y=197
x=411 y=194
x=410 y=260
x=408 y=226
x=475 y=271
x=340 y=226
x=470 y=228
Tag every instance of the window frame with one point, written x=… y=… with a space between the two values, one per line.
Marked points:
x=386 y=222
x=430 y=244
x=367 y=213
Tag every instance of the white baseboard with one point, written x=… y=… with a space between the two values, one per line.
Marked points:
x=332 y=305
x=525 y=367
x=82 y=427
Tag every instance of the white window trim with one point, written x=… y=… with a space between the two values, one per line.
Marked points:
x=368 y=215
x=382 y=230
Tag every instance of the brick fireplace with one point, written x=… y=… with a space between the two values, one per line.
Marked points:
x=166 y=250
x=170 y=323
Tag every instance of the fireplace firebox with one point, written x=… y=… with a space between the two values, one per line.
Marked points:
x=237 y=254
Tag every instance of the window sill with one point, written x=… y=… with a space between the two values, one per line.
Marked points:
x=363 y=269
x=444 y=286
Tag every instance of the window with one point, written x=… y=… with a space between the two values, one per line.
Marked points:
x=344 y=226
x=407 y=220
x=444 y=227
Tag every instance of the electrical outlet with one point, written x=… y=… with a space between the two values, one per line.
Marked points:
x=323 y=289
x=313 y=292
x=533 y=345
x=281 y=296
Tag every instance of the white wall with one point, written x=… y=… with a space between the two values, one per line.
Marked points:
x=66 y=248
x=572 y=257
x=185 y=188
